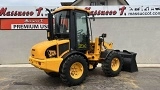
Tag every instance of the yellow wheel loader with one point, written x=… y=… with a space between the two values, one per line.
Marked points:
x=70 y=52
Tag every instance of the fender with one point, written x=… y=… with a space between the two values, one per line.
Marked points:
x=73 y=52
x=106 y=53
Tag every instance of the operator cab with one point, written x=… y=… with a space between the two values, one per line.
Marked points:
x=70 y=23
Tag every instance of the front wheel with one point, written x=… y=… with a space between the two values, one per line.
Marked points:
x=74 y=70
x=112 y=65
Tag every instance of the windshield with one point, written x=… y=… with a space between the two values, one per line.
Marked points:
x=61 y=22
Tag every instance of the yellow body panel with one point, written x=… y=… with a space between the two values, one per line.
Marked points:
x=97 y=50
x=108 y=45
x=69 y=8
x=39 y=60
x=64 y=53
x=38 y=50
x=50 y=64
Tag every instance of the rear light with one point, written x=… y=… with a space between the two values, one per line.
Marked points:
x=33 y=50
x=39 y=63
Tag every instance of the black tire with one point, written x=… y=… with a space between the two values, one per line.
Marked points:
x=66 y=73
x=106 y=64
x=52 y=74
x=94 y=66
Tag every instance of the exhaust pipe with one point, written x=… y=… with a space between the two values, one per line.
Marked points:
x=129 y=61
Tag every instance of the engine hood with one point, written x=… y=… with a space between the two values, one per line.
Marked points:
x=38 y=50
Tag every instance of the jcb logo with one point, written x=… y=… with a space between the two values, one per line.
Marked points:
x=52 y=53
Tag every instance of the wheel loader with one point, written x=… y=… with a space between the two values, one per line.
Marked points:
x=70 y=51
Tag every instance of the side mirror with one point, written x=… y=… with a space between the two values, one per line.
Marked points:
x=48 y=10
x=93 y=17
x=104 y=35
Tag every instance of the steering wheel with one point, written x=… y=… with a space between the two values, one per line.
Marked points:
x=79 y=35
x=79 y=31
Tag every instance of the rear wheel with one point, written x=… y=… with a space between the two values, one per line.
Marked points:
x=112 y=65
x=74 y=70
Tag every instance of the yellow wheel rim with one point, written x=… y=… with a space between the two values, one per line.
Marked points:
x=115 y=63
x=76 y=70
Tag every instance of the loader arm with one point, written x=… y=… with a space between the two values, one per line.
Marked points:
x=108 y=45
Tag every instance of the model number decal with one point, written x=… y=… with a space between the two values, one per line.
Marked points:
x=82 y=46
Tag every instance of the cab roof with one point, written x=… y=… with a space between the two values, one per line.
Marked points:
x=69 y=8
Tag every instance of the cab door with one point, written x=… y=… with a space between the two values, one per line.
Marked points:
x=82 y=32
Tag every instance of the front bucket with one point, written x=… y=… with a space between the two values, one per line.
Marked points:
x=129 y=61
